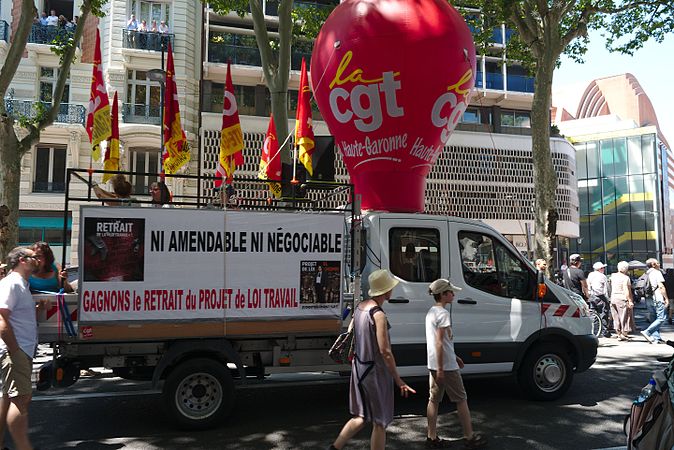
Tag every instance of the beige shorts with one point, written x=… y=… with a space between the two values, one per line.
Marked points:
x=16 y=373
x=452 y=385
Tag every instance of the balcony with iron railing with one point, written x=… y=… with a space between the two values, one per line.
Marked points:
x=249 y=55
x=138 y=113
x=147 y=40
x=45 y=34
x=67 y=112
x=4 y=31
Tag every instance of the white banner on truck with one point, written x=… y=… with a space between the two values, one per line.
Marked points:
x=145 y=264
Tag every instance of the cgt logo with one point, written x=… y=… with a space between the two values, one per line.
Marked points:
x=364 y=100
x=456 y=97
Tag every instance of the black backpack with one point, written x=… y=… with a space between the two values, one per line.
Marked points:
x=642 y=287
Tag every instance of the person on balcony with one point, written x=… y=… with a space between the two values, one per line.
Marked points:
x=142 y=34
x=131 y=26
x=43 y=19
x=163 y=28
x=52 y=20
x=153 y=28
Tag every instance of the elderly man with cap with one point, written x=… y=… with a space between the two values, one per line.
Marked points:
x=444 y=366
x=574 y=278
x=597 y=285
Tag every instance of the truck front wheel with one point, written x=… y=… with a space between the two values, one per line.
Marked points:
x=546 y=372
x=199 y=393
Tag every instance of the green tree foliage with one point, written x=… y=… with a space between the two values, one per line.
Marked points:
x=18 y=135
x=544 y=30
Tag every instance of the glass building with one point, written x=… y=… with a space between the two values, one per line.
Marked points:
x=621 y=197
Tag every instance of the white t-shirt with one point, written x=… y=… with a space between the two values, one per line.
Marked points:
x=438 y=317
x=597 y=283
x=15 y=296
x=52 y=21
x=655 y=277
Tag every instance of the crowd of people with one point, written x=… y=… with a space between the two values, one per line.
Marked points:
x=52 y=20
x=614 y=297
x=144 y=36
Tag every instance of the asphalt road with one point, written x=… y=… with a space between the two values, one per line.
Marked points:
x=109 y=413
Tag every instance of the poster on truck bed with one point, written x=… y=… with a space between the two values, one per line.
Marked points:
x=146 y=264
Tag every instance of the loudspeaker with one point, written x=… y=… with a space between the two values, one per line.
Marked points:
x=323 y=159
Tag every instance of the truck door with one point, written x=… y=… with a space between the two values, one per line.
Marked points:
x=411 y=250
x=496 y=309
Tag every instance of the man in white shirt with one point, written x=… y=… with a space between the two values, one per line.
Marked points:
x=18 y=331
x=53 y=19
x=660 y=301
x=444 y=366
x=163 y=28
x=597 y=287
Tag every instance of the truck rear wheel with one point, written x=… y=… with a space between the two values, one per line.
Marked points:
x=546 y=372
x=199 y=393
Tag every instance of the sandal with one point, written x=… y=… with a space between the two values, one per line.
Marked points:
x=477 y=441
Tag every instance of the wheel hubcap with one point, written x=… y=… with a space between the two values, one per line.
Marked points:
x=549 y=373
x=199 y=396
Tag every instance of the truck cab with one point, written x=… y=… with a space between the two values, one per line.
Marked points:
x=502 y=322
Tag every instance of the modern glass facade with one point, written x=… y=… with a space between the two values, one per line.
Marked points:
x=619 y=193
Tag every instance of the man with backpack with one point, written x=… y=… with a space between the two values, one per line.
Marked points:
x=656 y=285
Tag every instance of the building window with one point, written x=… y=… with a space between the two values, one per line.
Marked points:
x=147 y=163
x=143 y=95
x=245 y=99
x=48 y=78
x=50 y=169
x=518 y=119
x=150 y=11
x=471 y=115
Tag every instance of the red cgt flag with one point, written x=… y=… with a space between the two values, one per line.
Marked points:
x=270 y=160
x=304 y=132
x=231 y=136
x=176 y=152
x=98 y=111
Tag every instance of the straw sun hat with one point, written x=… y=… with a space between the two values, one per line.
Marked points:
x=381 y=282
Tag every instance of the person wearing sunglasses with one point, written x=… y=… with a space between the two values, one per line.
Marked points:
x=18 y=339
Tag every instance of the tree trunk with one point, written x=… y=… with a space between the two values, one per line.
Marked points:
x=10 y=178
x=279 y=108
x=545 y=178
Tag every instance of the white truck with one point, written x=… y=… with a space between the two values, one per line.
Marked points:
x=200 y=300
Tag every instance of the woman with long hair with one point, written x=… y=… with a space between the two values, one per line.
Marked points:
x=48 y=277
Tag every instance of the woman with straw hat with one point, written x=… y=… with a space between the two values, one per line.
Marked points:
x=373 y=370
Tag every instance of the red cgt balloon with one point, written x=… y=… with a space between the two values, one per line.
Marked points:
x=392 y=79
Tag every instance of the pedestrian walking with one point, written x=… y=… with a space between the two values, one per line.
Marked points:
x=622 y=301
x=597 y=286
x=574 y=278
x=18 y=334
x=444 y=365
x=660 y=300
x=373 y=370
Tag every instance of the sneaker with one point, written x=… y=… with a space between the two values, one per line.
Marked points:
x=437 y=443
x=648 y=338
x=477 y=441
